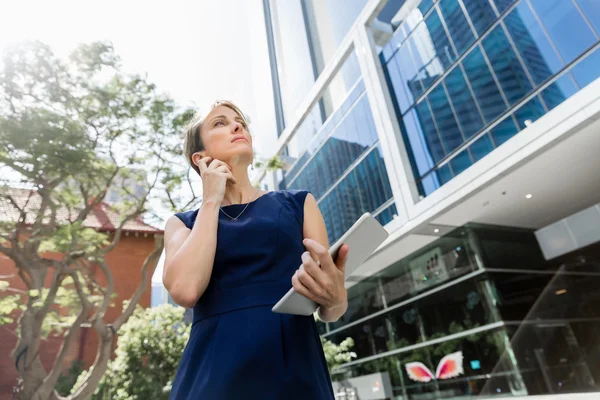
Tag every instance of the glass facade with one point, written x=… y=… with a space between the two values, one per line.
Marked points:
x=339 y=159
x=463 y=294
x=467 y=75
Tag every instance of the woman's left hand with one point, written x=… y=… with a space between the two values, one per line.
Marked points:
x=324 y=283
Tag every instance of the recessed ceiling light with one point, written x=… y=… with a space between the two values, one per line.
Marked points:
x=436 y=230
x=561 y=291
x=528 y=196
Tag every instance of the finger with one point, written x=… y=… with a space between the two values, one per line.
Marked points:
x=321 y=252
x=309 y=282
x=342 y=257
x=231 y=178
x=203 y=164
x=214 y=164
x=219 y=163
x=313 y=269
x=301 y=289
x=224 y=170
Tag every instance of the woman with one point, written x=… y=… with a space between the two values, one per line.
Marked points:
x=232 y=260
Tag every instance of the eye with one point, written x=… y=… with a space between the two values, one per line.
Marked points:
x=219 y=122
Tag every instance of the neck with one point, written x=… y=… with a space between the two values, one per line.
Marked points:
x=242 y=191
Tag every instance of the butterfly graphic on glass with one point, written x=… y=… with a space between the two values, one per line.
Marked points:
x=450 y=366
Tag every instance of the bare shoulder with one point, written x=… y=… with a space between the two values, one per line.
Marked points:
x=174 y=227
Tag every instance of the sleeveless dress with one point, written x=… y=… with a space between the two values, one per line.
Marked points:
x=238 y=348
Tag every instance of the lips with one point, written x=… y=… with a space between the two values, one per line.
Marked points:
x=238 y=138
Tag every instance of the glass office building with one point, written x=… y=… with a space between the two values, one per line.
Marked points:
x=469 y=129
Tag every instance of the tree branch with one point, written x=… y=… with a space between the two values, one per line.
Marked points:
x=49 y=383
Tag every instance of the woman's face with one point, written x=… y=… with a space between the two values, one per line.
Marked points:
x=225 y=137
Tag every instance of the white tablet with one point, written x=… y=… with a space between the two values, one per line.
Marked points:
x=363 y=238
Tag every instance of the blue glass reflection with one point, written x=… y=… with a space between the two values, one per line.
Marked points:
x=446 y=123
x=481 y=147
x=412 y=131
x=461 y=162
x=536 y=51
x=487 y=93
x=439 y=40
x=373 y=184
x=530 y=112
x=558 y=91
x=591 y=10
x=457 y=24
x=566 y=27
x=481 y=13
x=588 y=69
x=430 y=132
x=506 y=65
x=363 y=189
x=504 y=131
x=464 y=104
x=387 y=215
x=444 y=174
x=502 y=5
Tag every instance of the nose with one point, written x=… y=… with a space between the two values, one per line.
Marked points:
x=237 y=127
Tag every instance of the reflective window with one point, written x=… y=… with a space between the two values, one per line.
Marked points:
x=432 y=139
x=431 y=49
x=444 y=174
x=463 y=102
x=373 y=186
x=446 y=123
x=591 y=10
x=504 y=131
x=529 y=112
x=413 y=133
x=461 y=161
x=294 y=62
x=481 y=147
x=587 y=70
x=531 y=42
x=506 y=65
x=351 y=135
x=399 y=85
x=565 y=25
x=364 y=189
x=457 y=24
x=558 y=91
x=364 y=299
x=387 y=215
x=484 y=86
x=370 y=337
x=502 y=5
x=462 y=309
x=439 y=39
x=481 y=13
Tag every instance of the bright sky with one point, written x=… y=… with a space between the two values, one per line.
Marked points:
x=196 y=50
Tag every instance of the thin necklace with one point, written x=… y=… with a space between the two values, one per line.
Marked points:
x=233 y=219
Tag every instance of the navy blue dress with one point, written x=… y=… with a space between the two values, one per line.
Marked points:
x=239 y=348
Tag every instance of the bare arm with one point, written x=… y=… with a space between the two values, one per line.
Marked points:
x=325 y=283
x=190 y=254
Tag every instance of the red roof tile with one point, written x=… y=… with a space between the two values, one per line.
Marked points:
x=102 y=217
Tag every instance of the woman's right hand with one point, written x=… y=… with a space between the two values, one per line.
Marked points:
x=215 y=174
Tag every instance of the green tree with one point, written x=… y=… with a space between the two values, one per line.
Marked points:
x=71 y=131
x=147 y=356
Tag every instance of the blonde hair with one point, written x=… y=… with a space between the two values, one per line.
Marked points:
x=193 y=142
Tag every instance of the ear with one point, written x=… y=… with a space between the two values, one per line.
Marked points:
x=196 y=157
